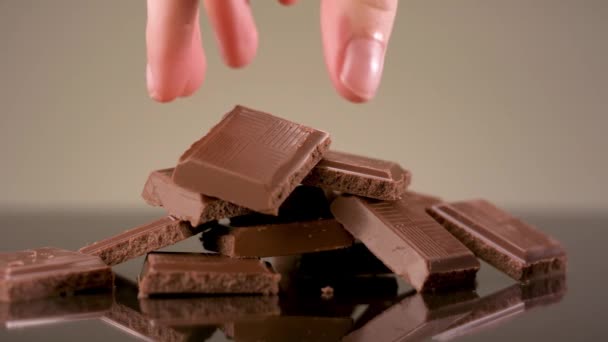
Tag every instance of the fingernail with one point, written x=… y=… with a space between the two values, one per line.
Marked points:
x=150 y=82
x=362 y=68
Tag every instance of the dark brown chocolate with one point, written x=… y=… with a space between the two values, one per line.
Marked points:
x=355 y=261
x=54 y=310
x=289 y=328
x=415 y=317
x=359 y=175
x=199 y=273
x=506 y=304
x=502 y=240
x=46 y=272
x=212 y=310
x=277 y=239
x=408 y=241
x=141 y=240
x=186 y=205
x=252 y=159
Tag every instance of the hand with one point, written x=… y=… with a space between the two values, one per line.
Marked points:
x=355 y=37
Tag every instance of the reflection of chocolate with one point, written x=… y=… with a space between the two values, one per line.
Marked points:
x=415 y=317
x=359 y=175
x=501 y=306
x=408 y=241
x=54 y=310
x=46 y=272
x=502 y=240
x=252 y=159
x=199 y=273
x=141 y=240
x=137 y=325
x=289 y=328
x=208 y=310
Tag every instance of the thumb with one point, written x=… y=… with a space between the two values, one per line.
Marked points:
x=355 y=37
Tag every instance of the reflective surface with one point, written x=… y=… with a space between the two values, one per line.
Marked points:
x=360 y=309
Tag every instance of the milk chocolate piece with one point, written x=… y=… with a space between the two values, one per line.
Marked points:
x=502 y=240
x=186 y=205
x=199 y=273
x=289 y=328
x=502 y=306
x=408 y=241
x=46 y=272
x=277 y=239
x=359 y=175
x=54 y=310
x=252 y=159
x=211 y=310
x=141 y=240
x=415 y=317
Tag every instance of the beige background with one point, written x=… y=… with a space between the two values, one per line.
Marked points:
x=502 y=99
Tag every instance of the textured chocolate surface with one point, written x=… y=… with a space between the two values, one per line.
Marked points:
x=141 y=240
x=506 y=304
x=289 y=328
x=54 y=310
x=359 y=175
x=252 y=159
x=408 y=241
x=277 y=239
x=210 y=310
x=184 y=204
x=175 y=273
x=502 y=240
x=45 y=272
x=415 y=318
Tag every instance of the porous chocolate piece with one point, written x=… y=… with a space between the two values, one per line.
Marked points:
x=199 y=273
x=415 y=318
x=408 y=241
x=252 y=159
x=289 y=328
x=359 y=175
x=502 y=306
x=502 y=240
x=211 y=310
x=277 y=239
x=46 y=272
x=184 y=204
x=54 y=310
x=141 y=240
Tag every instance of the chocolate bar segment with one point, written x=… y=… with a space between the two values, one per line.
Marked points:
x=359 y=175
x=199 y=273
x=277 y=239
x=46 y=272
x=408 y=241
x=184 y=204
x=502 y=240
x=141 y=240
x=252 y=159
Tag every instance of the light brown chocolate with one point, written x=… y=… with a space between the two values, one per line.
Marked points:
x=141 y=240
x=252 y=159
x=277 y=239
x=46 y=272
x=502 y=240
x=408 y=241
x=359 y=175
x=184 y=204
x=200 y=273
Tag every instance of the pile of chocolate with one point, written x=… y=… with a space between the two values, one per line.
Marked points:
x=259 y=186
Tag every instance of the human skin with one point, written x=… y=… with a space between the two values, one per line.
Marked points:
x=355 y=35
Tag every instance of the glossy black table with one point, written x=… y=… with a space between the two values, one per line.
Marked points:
x=498 y=309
